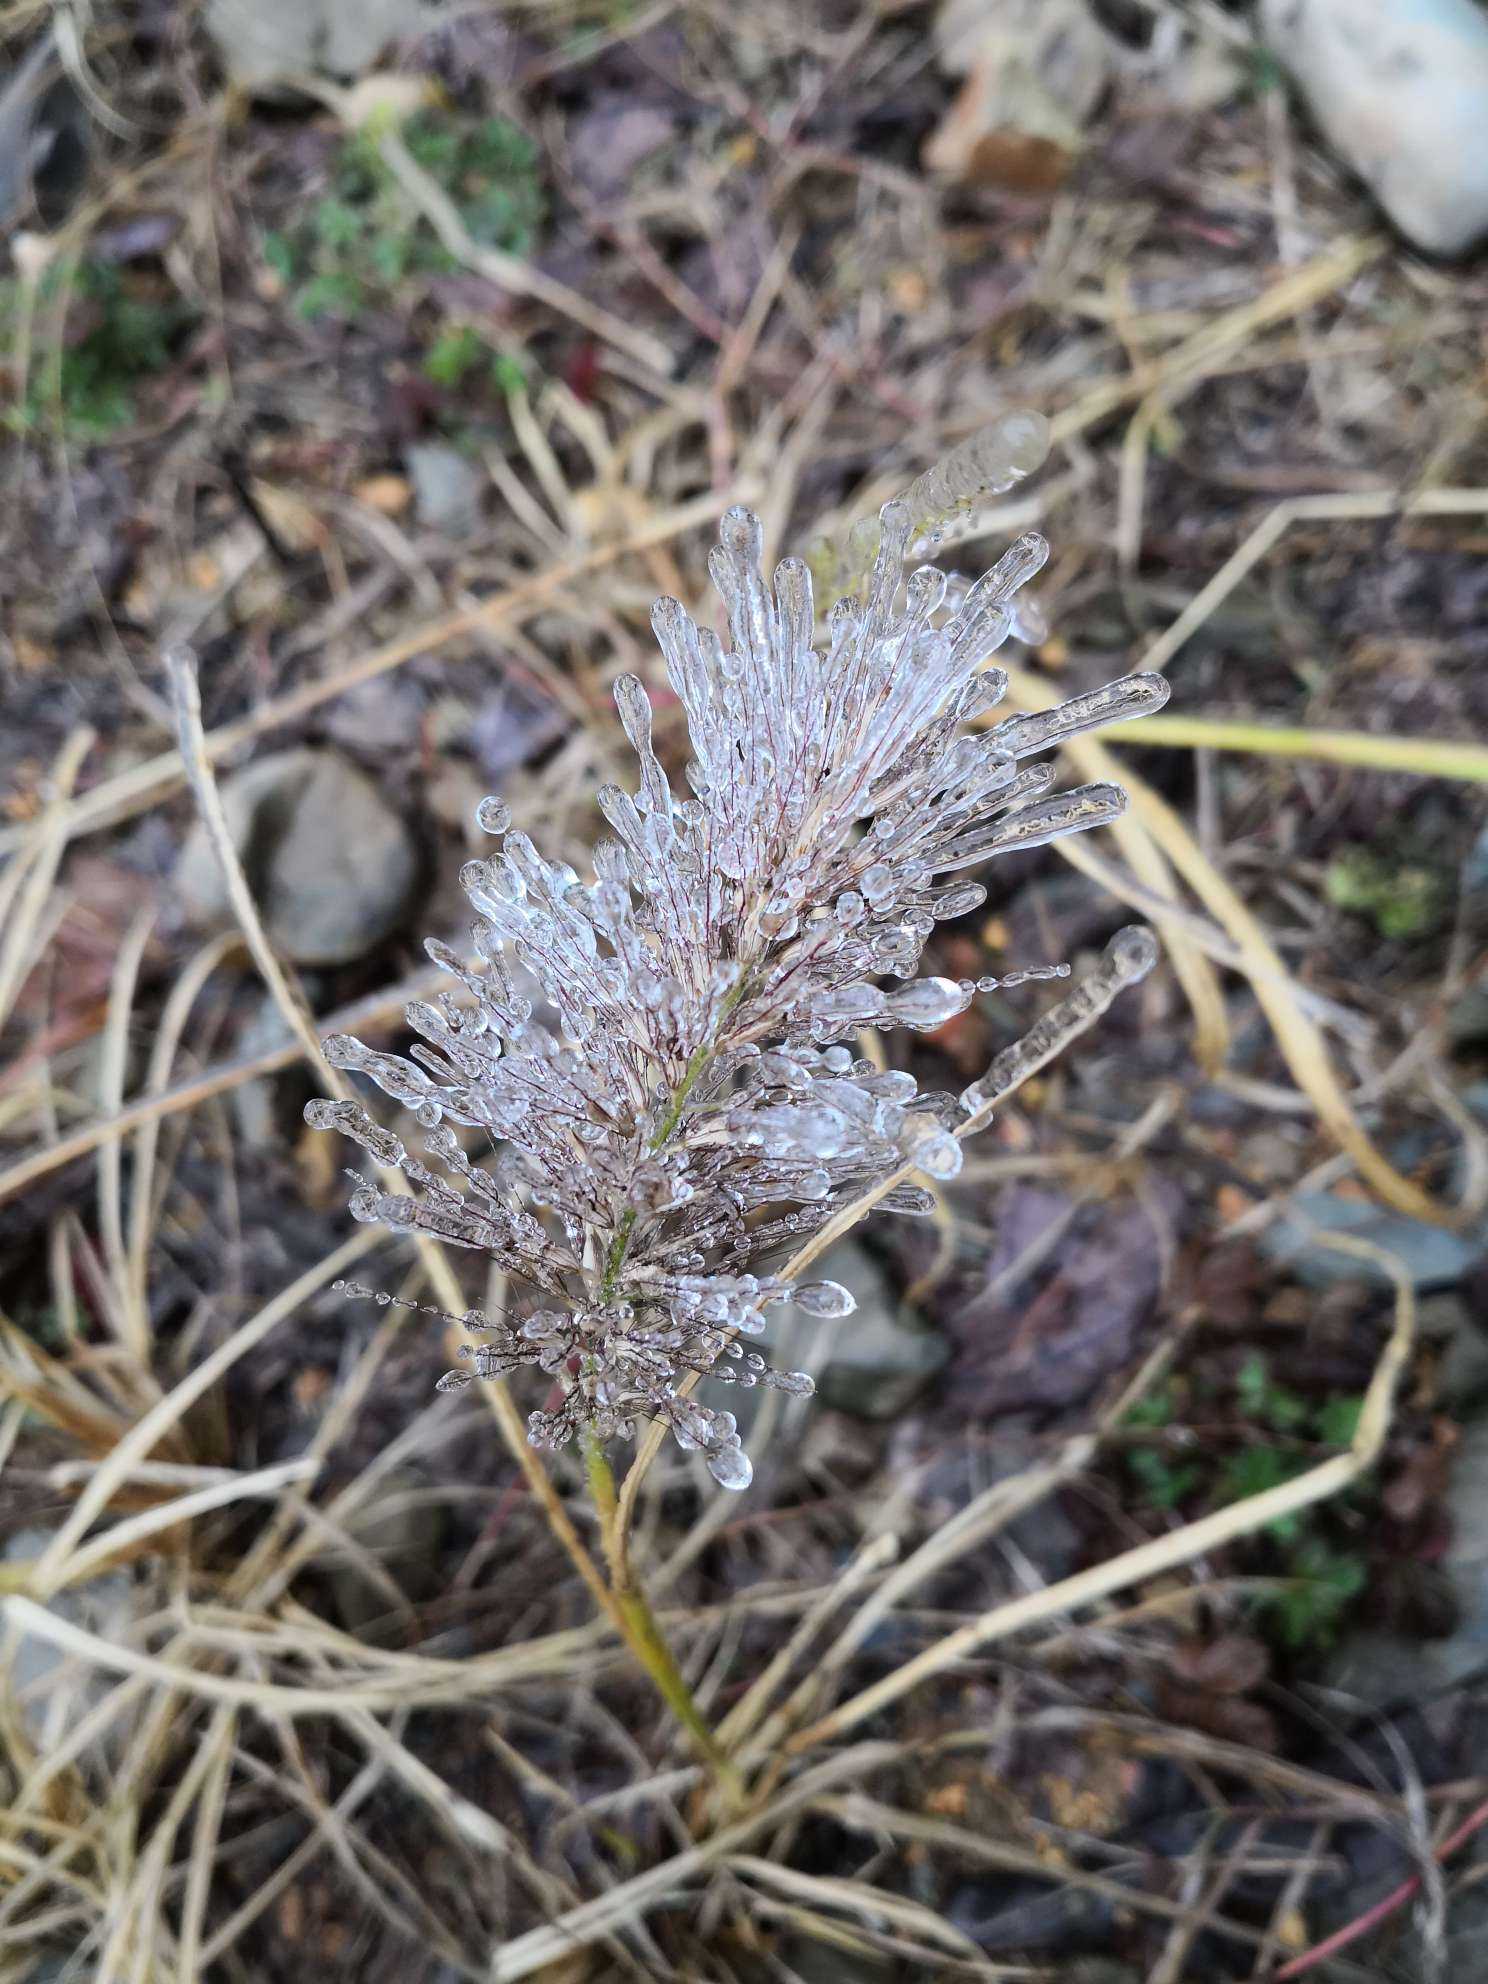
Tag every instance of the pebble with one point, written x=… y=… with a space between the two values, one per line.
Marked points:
x=1398 y=88
x=262 y=40
x=332 y=867
x=447 y=489
x=53 y=1688
x=1433 y=1256
x=1379 y=1667
x=881 y=1358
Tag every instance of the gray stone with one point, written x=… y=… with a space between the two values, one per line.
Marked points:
x=880 y=1358
x=1467 y=1017
x=262 y=40
x=1462 y=1377
x=253 y=1102
x=1398 y=87
x=1474 y=882
x=447 y=489
x=103 y=1605
x=331 y=866
x=1379 y=1667
x=1439 y=1317
x=1452 y=1329
x=1044 y=1534
x=813 y=1962
x=1433 y=1257
x=1467 y=1920
x=54 y=1970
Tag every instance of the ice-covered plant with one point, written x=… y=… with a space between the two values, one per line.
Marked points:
x=656 y=1062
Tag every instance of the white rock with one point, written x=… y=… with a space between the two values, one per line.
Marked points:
x=1400 y=90
x=260 y=40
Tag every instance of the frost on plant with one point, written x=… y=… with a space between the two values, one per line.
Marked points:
x=658 y=1058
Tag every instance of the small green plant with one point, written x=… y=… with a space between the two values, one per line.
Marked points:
x=348 y=254
x=1401 y=898
x=1320 y=1577
x=1325 y=1580
x=1255 y=1471
x=1268 y=1403
x=118 y=335
x=1163 y=1485
x=460 y=355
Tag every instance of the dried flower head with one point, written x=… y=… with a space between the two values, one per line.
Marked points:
x=658 y=1056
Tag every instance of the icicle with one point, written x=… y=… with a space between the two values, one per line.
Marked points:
x=1128 y=958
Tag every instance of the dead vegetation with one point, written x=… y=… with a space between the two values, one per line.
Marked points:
x=307 y=1667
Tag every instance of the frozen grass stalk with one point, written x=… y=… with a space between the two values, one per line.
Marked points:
x=659 y=1059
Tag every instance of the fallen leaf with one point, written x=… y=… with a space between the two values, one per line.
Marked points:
x=102 y=898
x=1232 y=1664
x=1231 y=1201
x=289 y=516
x=388 y=494
x=1054 y=1346
x=615 y=134
x=1232 y=1718
x=1033 y=70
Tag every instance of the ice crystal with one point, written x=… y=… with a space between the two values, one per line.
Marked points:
x=658 y=1057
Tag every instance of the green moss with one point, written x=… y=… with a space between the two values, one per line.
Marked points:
x=1402 y=897
x=355 y=247
x=92 y=377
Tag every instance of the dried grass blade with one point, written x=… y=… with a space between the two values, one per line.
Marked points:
x=30 y=887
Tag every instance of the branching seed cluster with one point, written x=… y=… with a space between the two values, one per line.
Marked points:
x=656 y=1060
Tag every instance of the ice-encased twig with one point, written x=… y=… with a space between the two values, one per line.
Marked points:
x=988 y=463
x=1127 y=959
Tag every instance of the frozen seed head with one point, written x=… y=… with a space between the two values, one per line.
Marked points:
x=661 y=1054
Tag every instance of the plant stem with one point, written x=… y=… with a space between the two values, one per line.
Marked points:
x=1427 y=757
x=701 y=1056
x=644 y=1636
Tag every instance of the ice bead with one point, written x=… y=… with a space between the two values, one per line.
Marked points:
x=824 y=1298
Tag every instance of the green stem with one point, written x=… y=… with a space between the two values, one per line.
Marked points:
x=1427 y=757
x=701 y=1056
x=644 y=1635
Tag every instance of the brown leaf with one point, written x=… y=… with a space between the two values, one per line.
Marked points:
x=1230 y=1665
x=103 y=899
x=1023 y=1350
x=1230 y=1717
x=1033 y=70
